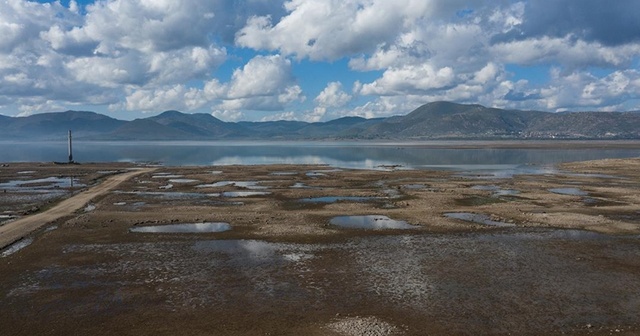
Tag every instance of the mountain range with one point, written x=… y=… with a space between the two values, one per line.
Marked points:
x=438 y=120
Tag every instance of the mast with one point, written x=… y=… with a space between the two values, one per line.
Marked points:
x=70 y=149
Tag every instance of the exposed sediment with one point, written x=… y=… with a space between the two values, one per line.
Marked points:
x=562 y=263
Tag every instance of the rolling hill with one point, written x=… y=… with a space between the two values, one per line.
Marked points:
x=438 y=120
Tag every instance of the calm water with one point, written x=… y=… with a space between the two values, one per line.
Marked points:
x=336 y=154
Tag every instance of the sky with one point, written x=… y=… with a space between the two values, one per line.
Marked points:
x=316 y=60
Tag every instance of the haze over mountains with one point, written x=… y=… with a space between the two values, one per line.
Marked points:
x=438 y=120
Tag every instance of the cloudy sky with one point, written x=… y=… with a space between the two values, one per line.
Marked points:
x=316 y=60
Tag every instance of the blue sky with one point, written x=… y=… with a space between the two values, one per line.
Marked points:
x=316 y=60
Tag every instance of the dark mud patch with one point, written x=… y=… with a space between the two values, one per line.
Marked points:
x=601 y=202
x=478 y=200
x=336 y=199
x=628 y=216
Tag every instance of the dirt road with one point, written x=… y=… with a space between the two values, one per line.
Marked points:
x=20 y=228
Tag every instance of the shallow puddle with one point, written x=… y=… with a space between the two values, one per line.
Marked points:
x=300 y=185
x=43 y=184
x=335 y=199
x=7 y=217
x=506 y=192
x=283 y=173
x=569 y=191
x=51 y=228
x=167 y=195
x=476 y=218
x=252 y=185
x=315 y=174
x=244 y=193
x=15 y=247
x=372 y=222
x=183 y=228
x=486 y=187
x=497 y=191
x=183 y=180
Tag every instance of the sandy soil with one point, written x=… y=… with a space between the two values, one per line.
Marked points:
x=559 y=255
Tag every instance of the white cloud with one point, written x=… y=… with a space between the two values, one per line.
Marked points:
x=144 y=55
x=228 y=115
x=108 y=49
x=410 y=79
x=105 y=72
x=265 y=83
x=567 y=51
x=333 y=96
x=330 y=29
x=179 y=66
x=176 y=97
x=290 y=116
x=581 y=90
x=262 y=76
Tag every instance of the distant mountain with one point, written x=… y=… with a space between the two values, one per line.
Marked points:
x=621 y=125
x=275 y=130
x=199 y=125
x=438 y=120
x=444 y=120
x=342 y=127
x=146 y=129
x=55 y=125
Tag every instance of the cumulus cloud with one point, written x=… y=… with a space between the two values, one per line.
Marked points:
x=333 y=96
x=143 y=55
x=567 y=51
x=330 y=29
x=111 y=48
x=410 y=79
x=265 y=83
x=228 y=115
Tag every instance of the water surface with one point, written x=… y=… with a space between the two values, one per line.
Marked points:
x=569 y=191
x=183 y=228
x=371 y=222
x=367 y=155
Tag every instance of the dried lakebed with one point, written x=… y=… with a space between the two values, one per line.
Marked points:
x=412 y=259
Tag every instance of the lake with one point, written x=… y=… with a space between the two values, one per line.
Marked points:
x=455 y=155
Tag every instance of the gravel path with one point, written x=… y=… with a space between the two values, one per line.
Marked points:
x=13 y=231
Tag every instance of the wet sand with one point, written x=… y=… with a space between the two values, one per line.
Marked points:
x=566 y=260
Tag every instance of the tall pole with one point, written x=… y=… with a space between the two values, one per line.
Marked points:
x=70 y=149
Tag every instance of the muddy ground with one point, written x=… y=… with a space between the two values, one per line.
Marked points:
x=552 y=250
